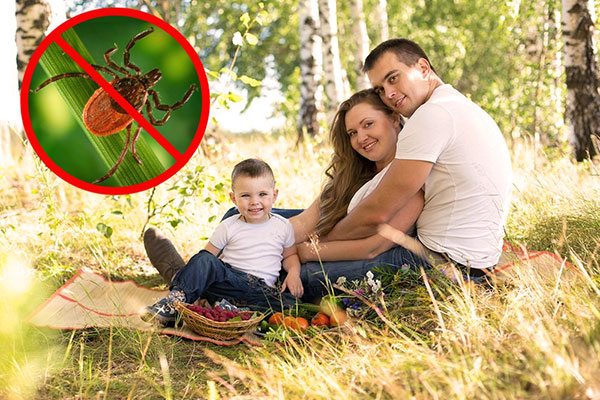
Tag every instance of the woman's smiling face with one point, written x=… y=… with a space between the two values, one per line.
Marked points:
x=373 y=133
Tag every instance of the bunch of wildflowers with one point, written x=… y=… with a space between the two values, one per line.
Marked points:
x=368 y=289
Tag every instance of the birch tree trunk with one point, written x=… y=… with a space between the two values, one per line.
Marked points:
x=581 y=67
x=311 y=69
x=332 y=66
x=381 y=18
x=33 y=18
x=359 y=31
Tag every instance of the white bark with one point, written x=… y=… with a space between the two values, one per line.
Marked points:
x=33 y=18
x=581 y=67
x=381 y=18
x=332 y=66
x=311 y=68
x=359 y=31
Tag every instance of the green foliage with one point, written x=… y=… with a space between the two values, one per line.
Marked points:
x=502 y=55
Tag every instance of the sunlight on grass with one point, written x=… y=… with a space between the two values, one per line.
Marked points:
x=536 y=337
x=26 y=353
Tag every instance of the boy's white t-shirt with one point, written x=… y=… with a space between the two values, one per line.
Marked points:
x=256 y=249
x=467 y=193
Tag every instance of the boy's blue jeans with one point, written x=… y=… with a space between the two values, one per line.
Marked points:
x=207 y=276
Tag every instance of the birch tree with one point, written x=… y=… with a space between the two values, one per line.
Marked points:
x=311 y=68
x=359 y=31
x=581 y=67
x=332 y=66
x=381 y=19
x=33 y=18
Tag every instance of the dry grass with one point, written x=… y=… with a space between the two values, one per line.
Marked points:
x=536 y=338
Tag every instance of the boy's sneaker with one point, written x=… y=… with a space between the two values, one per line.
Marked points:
x=163 y=311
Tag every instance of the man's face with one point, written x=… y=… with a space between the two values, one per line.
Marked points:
x=402 y=88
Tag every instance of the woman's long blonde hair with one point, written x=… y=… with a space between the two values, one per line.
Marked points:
x=348 y=170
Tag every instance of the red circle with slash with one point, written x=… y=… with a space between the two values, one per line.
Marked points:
x=181 y=159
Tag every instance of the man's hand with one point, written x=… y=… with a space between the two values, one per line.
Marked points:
x=293 y=283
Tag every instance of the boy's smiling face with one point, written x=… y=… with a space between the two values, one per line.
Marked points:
x=254 y=197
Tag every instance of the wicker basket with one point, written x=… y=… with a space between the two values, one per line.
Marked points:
x=214 y=329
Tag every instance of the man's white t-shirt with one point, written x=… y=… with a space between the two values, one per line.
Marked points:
x=256 y=249
x=467 y=193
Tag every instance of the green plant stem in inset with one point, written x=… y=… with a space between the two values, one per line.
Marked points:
x=76 y=93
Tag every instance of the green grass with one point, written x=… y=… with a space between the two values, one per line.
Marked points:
x=534 y=338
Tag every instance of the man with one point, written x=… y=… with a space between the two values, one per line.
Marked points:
x=449 y=147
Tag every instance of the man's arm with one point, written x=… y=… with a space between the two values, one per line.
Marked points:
x=398 y=186
x=365 y=248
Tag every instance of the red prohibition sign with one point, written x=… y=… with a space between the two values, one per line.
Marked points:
x=181 y=159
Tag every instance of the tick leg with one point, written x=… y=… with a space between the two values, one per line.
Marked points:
x=62 y=76
x=75 y=74
x=119 y=161
x=130 y=45
x=106 y=70
x=111 y=63
x=135 y=138
x=164 y=107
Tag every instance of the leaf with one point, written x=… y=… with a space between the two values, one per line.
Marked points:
x=250 y=81
x=213 y=74
x=237 y=39
x=117 y=212
x=230 y=72
x=236 y=98
x=262 y=16
x=245 y=18
x=212 y=218
x=251 y=39
x=104 y=229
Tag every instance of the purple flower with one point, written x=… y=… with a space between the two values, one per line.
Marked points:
x=359 y=291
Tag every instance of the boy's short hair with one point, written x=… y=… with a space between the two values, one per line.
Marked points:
x=407 y=51
x=253 y=168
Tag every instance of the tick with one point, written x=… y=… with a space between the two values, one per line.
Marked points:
x=103 y=116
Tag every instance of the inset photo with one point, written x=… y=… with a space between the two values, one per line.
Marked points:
x=116 y=103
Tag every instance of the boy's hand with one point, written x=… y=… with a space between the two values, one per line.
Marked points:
x=293 y=282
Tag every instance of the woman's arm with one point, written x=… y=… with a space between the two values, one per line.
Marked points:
x=366 y=248
x=305 y=223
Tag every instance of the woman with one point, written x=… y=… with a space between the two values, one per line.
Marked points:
x=363 y=137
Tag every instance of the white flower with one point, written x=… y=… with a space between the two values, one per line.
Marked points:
x=341 y=280
x=370 y=276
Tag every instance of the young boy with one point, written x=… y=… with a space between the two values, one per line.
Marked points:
x=253 y=245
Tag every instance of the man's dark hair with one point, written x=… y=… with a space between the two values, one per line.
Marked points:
x=253 y=168
x=406 y=50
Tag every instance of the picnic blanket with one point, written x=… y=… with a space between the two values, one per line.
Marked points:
x=90 y=300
